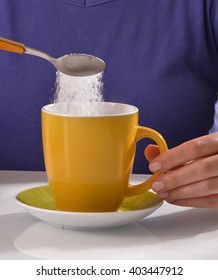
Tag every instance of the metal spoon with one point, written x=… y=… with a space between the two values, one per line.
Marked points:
x=73 y=64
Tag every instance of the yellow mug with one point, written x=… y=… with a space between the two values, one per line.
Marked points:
x=89 y=159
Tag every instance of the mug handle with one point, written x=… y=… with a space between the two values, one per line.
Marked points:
x=145 y=132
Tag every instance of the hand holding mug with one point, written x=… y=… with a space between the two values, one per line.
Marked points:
x=189 y=172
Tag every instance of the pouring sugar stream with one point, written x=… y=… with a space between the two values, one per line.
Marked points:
x=79 y=96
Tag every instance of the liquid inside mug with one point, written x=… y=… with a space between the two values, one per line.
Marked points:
x=89 y=159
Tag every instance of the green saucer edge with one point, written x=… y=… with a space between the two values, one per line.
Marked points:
x=41 y=197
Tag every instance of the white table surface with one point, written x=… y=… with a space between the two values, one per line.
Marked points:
x=171 y=232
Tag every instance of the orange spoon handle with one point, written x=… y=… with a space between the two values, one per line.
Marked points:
x=11 y=46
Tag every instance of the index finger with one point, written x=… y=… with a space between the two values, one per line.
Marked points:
x=191 y=150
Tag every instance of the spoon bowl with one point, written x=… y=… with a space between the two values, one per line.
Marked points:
x=79 y=65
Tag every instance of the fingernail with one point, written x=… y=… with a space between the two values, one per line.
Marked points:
x=157 y=186
x=163 y=195
x=155 y=166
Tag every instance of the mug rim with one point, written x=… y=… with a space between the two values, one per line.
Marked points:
x=132 y=110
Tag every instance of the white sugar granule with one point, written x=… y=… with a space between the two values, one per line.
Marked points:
x=81 y=94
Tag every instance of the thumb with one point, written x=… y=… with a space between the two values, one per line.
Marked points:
x=151 y=151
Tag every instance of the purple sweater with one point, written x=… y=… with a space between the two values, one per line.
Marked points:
x=161 y=56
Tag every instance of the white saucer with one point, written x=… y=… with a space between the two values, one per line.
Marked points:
x=39 y=202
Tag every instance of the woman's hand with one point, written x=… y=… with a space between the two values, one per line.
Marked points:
x=188 y=172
